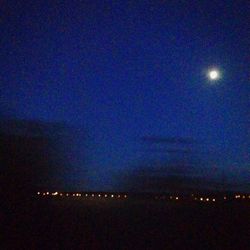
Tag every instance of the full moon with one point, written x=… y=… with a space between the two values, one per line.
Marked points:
x=213 y=75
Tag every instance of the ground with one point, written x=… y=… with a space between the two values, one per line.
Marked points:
x=77 y=223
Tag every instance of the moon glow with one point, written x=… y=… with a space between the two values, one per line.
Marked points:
x=213 y=75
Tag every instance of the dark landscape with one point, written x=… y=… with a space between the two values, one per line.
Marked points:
x=132 y=223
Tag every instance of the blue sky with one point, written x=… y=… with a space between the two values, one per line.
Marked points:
x=121 y=70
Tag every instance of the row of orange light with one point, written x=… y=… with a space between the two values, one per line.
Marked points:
x=224 y=198
x=177 y=198
x=205 y=199
x=238 y=196
x=125 y=196
x=82 y=195
x=164 y=197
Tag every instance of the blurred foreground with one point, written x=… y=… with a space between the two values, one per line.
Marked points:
x=78 y=223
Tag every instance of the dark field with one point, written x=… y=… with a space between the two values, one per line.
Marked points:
x=59 y=223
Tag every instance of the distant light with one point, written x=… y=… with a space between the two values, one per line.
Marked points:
x=207 y=199
x=99 y=195
x=47 y=193
x=243 y=196
x=73 y=194
x=177 y=198
x=38 y=193
x=213 y=74
x=92 y=195
x=80 y=194
x=86 y=195
x=171 y=197
x=67 y=194
x=225 y=197
x=119 y=196
x=44 y=194
x=213 y=199
x=112 y=195
x=106 y=195
x=201 y=199
x=125 y=196
x=61 y=194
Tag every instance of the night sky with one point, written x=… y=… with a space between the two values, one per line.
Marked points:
x=121 y=70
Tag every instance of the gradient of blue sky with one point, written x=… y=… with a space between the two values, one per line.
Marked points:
x=125 y=69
